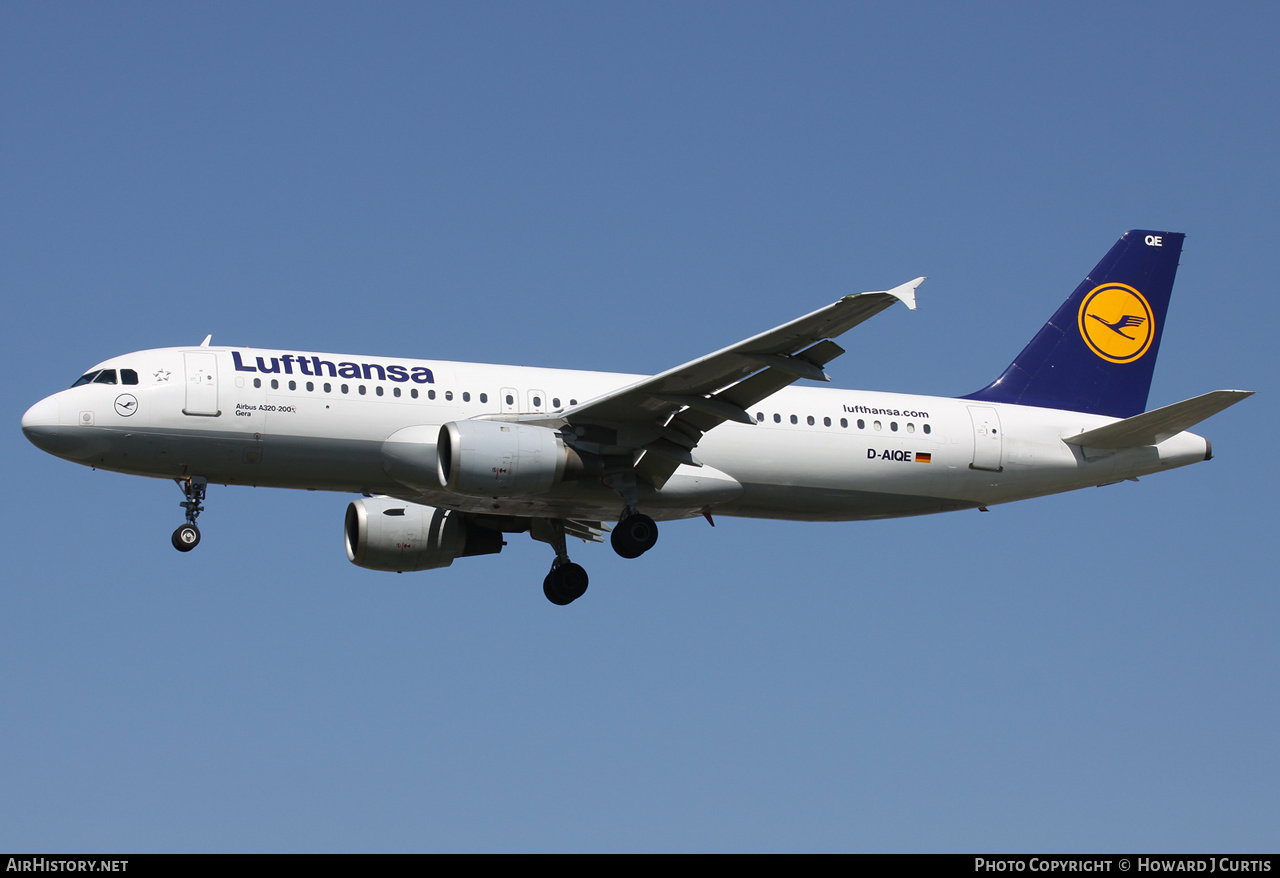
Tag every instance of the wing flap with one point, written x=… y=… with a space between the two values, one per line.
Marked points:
x=590 y=531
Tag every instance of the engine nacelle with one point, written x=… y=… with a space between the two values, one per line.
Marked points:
x=499 y=459
x=383 y=533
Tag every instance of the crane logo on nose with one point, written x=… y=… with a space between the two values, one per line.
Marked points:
x=126 y=404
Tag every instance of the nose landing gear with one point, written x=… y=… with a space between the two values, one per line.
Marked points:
x=187 y=536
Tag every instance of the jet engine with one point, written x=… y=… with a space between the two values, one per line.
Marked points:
x=383 y=533
x=499 y=459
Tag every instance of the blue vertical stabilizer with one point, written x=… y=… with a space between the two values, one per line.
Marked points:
x=1098 y=352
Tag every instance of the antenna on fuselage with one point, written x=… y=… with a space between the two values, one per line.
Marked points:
x=208 y=338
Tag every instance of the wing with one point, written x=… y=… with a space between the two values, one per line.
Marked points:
x=661 y=419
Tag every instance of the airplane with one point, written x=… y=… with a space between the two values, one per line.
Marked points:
x=450 y=457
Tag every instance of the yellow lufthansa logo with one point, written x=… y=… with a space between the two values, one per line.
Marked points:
x=1116 y=323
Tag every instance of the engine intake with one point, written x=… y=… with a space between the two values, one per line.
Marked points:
x=498 y=459
x=383 y=533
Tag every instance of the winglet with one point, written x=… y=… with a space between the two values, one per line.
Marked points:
x=906 y=293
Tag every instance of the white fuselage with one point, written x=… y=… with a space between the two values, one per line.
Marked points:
x=369 y=425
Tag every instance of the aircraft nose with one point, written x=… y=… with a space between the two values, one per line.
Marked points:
x=41 y=423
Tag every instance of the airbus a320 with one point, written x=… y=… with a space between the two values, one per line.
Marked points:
x=451 y=457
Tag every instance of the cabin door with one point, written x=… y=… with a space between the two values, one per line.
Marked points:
x=988 y=443
x=202 y=384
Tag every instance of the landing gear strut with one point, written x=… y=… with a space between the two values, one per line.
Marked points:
x=567 y=581
x=635 y=534
x=187 y=536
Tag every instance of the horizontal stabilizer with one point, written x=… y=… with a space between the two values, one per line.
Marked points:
x=1152 y=428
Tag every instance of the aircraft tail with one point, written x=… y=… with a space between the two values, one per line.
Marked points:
x=1152 y=428
x=1098 y=352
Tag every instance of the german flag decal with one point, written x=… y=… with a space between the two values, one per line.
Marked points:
x=924 y=457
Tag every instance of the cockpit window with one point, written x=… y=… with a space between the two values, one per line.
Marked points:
x=107 y=376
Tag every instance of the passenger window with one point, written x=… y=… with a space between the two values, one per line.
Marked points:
x=413 y=391
x=484 y=397
x=844 y=422
x=275 y=385
x=759 y=417
x=431 y=394
x=362 y=390
x=510 y=399
x=826 y=422
x=293 y=385
x=893 y=425
x=395 y=391
x=311 y=385
x=466 y=396
x=328 y=388
x=378 y=390
x=810 y=420
x=862 y=425
x=777 y=418
x=794 y=419
x=344 y=388
x=448 y=395
x=257 y=382
x=926 y=429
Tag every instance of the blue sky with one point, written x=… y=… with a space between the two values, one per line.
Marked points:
x=626 y=187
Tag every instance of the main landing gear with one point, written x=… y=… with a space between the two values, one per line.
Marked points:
x=187 y=536
x=635 y=534
x=567 y=581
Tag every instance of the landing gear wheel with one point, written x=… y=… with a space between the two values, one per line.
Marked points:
x=565 y=584
x=634 y=535
x=186 y=538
